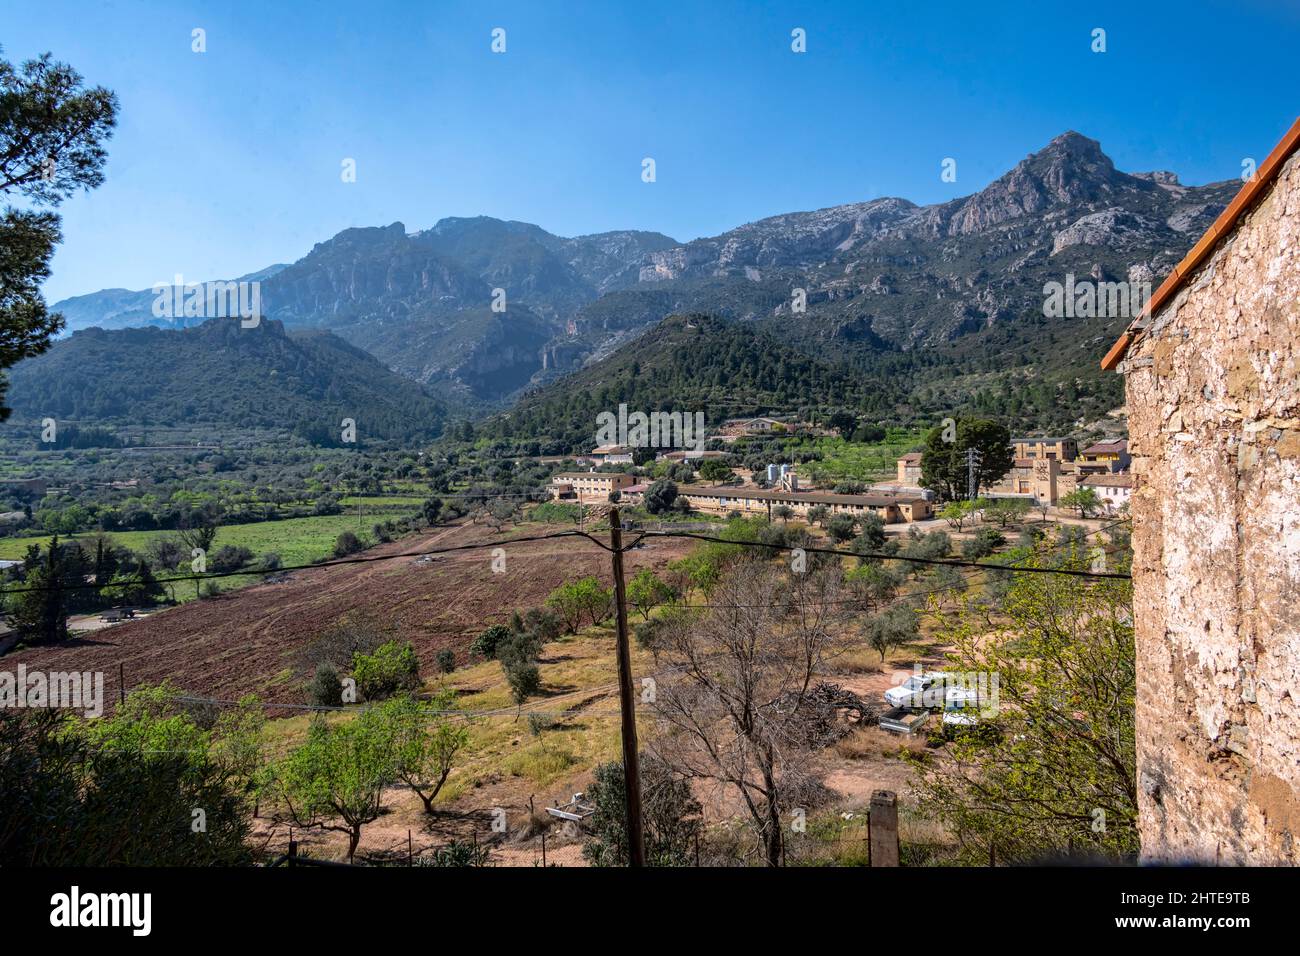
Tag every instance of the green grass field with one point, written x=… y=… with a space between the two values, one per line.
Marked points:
x=295 y=540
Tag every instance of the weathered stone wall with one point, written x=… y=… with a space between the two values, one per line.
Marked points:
x=1214 y=426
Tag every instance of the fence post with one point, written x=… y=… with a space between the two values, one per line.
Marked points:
x=884 y=828
x=543 y=849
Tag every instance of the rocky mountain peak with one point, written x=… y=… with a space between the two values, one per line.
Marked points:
x=1070 y=170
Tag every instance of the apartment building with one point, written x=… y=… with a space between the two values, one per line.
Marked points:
x=1061 y=449
x=589 y=487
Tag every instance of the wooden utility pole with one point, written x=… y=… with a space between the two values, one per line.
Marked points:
x=627 y=703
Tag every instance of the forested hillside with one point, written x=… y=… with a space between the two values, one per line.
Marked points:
x=227 y=377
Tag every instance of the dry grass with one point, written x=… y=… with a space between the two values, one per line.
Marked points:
x=867 y=743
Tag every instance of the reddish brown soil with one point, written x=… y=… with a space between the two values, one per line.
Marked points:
x=238 y=643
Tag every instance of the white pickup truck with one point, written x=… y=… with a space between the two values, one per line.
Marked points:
x=918 y=691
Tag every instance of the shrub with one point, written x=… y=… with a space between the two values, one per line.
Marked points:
x=486 y=644
x=647 y=634
x=116 y=791
x=446 y=661
x=457 y=853
x=230 y=558
x=579 y=600
x=841 y=528
x=393 y=667
x=670 y=815
x=354 y=633
x=347 y=543
x=891 y=628
x=524 y=679
x=325 y=689
x=546 y=625
x=537 y=723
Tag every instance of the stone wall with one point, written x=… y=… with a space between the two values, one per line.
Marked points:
x=1214 y=425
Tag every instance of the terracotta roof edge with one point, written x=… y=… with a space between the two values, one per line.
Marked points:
x=1225 y=224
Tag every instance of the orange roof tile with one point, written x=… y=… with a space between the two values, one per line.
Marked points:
x=1223 y=226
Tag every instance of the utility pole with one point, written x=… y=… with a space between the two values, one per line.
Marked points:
x=972 y=482
x=627 y=703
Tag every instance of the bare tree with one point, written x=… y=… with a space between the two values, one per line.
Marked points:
x=741 y=708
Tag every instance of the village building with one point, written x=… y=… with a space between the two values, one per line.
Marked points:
x=1061 y=449
x=1105 y=457
x=1212 y=379
x=610 y=455
x=735 y=427
x=588 y=487
x=909 y=469
x=689 y=455
x=1113 y=491
x=751 y=501
x=633 y=494
x=1044 y=480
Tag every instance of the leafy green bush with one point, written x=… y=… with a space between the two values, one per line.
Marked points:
x=347 y=543
x=670 y=816
x=325 y=689
x=393 y=667
x=457 y=853
x=486 y=644
x=117 y=791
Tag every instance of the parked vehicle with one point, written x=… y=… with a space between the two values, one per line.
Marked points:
x=903 y=720
x=915 y=692
x=961 y=707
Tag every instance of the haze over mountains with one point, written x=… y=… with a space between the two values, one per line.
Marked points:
x=950 y=295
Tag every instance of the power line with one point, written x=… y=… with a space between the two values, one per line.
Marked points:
x=951 y=562
x=367 y=559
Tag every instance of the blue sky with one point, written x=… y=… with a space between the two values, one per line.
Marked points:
x=229 y=160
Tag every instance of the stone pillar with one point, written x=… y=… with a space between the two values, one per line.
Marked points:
x=884 y=828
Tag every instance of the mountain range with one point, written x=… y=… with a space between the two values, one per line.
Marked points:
x=947 y=299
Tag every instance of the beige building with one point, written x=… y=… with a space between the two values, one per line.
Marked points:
x=1045 y=480
x=752 y=426
x=750 y=501
x=1062 y=449
x=1212 y=375
x=610 y=455
x=588 y=487
x=909 y=469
